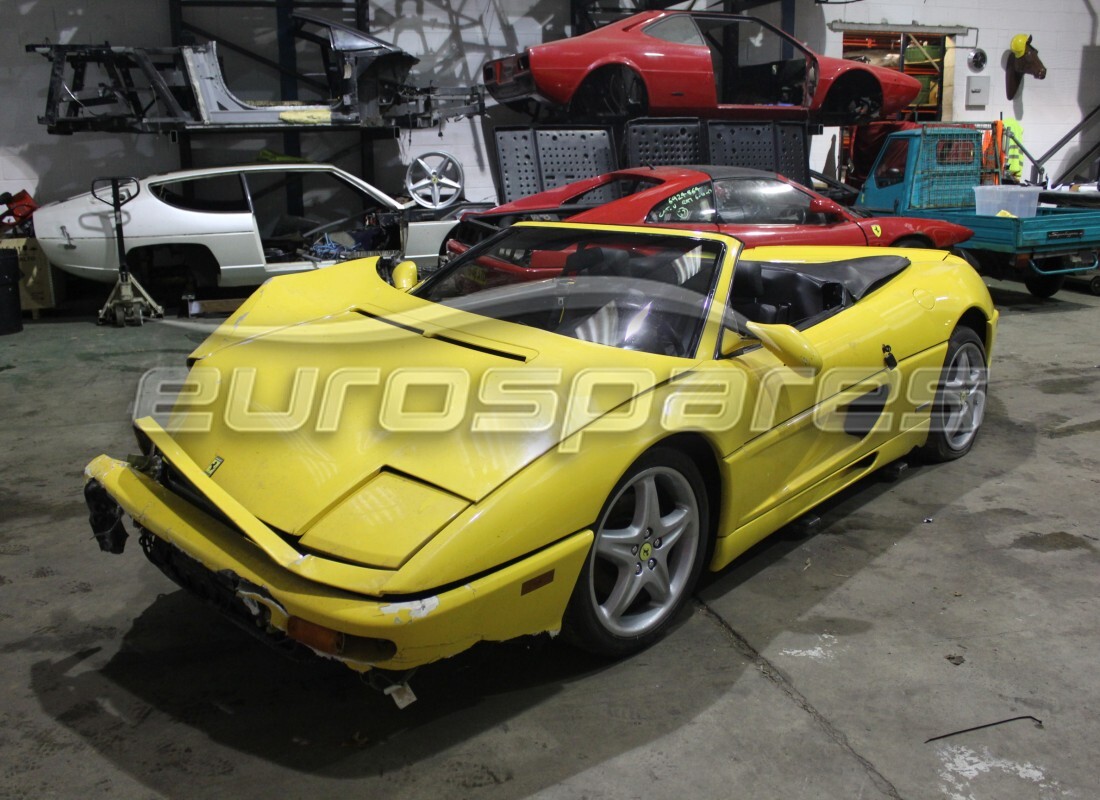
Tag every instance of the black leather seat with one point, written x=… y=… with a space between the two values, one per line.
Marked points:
x=598 y=261
x=747 y=295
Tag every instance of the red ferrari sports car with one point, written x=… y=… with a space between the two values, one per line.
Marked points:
x=759 y=208
x=699 y=64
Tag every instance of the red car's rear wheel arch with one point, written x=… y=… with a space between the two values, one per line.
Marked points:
x=614 y=92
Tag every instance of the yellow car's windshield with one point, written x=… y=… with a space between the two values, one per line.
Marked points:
x=636 y=291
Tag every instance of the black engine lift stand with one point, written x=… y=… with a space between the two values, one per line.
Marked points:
x=128 y=303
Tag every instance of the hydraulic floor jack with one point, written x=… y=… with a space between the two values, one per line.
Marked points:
x=128 y=303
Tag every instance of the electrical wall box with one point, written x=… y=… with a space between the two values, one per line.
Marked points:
x=977 y=91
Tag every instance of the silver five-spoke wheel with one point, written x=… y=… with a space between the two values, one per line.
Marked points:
x=960 y=398
x=964 y=396
x=646 y=557
x=434 y=180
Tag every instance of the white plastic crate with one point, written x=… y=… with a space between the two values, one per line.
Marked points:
x=1020 y=201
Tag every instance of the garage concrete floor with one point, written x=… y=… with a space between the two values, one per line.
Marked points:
x=821 y=665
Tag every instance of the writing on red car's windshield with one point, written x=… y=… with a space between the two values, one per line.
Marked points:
x=694 y=204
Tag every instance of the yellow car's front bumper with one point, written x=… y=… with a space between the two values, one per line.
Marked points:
x=362 y=630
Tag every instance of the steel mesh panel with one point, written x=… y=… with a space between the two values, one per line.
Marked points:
x=771 y=146
x=669 y=141
x=517 y=161
x=947 y=168
x=530 y=160
x=734 y=144
x=792 y=158
x=569 y=155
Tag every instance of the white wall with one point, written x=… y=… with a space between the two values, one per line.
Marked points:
x=453 y=38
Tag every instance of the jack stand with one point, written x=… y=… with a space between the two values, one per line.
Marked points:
x=806 y=525
x=191 y=307
x=893 y=471
x=128 y=303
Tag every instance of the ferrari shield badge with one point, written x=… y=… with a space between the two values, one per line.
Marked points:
x=217 y=462
x=876 y=230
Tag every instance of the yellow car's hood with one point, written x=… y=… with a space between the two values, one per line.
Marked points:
x=387 y=409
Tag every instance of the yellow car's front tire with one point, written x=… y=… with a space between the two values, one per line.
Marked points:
x=960 y=399
x=648 y=551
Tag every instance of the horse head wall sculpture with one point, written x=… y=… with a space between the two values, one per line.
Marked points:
x=1022 y=60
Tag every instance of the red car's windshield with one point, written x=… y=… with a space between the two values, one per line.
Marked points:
x=738 y=201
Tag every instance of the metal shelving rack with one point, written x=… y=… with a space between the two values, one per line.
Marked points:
x=919 y=55
x=355 y=12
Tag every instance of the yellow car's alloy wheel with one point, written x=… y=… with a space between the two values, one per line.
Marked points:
x=646 y=557
x=960 y=398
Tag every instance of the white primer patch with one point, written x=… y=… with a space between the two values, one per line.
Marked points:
x=416 y=608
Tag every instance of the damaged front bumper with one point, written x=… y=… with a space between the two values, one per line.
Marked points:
x=333 y=608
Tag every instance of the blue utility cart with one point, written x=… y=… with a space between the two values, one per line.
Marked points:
x=933 y=172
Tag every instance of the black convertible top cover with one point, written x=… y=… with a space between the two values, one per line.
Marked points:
x=858 y=275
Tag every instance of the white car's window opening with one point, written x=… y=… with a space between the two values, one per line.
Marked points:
x=317 y=215
x=216 y=194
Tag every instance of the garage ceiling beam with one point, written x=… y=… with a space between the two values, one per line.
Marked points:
x=587 y=15
x=839 y=26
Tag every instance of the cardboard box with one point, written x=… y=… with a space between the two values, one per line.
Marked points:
x=36 y=289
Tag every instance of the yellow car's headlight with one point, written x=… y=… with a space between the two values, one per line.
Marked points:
x=384 y=521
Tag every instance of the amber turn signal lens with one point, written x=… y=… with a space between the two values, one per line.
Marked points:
x=316 y=636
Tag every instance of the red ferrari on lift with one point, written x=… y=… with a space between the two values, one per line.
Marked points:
x=759 y=208
x=701 y=64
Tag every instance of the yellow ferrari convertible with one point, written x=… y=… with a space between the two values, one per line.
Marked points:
x=556 y=432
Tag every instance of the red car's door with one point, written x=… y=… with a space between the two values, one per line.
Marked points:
x=756 y=65
x=677 y=67
x=763 y=211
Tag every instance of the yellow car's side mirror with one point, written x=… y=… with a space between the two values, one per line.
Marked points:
x=405 y=276
x=730 y=342
x=789 y=345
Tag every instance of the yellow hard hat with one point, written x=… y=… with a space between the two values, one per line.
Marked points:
x=1019 y=44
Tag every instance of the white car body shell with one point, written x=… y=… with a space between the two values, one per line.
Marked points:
x=78 y=234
